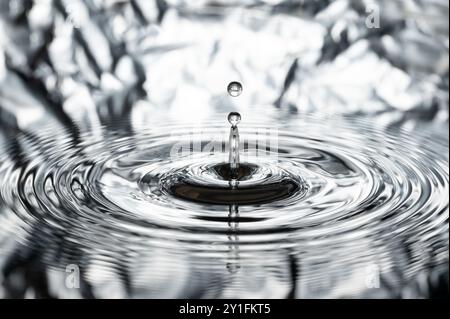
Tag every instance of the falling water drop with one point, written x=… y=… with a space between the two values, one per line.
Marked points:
x=234 y=118
x=234 y=89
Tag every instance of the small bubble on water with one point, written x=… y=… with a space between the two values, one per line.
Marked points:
x=234 y=118
x=234 y=89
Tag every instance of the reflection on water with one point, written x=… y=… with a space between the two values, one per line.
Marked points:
x=369 y=219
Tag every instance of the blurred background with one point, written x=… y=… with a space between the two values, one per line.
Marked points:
x=80 y=65
x=93 y=61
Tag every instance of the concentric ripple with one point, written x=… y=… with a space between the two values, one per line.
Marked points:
x=344 y=192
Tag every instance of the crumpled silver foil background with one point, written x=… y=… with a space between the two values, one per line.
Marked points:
x=92 y=62
x=99 y=60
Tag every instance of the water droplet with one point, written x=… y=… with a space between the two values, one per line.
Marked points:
x=234 y=89
x=234 y=118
